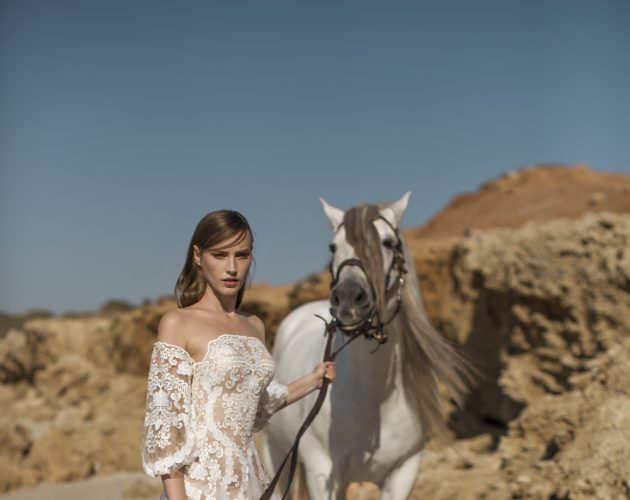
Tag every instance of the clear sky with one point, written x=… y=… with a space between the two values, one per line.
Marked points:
x=122 y=123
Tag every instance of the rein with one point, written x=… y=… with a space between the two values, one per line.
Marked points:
x=371 y=328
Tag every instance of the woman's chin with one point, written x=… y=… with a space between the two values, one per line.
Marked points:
x=226 y=291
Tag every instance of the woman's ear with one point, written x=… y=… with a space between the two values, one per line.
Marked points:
x=196 y=255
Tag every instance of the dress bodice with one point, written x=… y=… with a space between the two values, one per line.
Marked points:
x=227 y=384
x=201 y=416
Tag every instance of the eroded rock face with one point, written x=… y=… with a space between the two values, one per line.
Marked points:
x=543 y=301
x=542 y=311
x=74 y=390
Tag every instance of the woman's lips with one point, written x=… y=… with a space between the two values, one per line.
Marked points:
x=231 y=282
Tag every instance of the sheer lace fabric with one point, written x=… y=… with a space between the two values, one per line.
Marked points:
x=200 y=416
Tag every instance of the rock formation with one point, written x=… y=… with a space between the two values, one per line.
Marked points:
x=544 y=313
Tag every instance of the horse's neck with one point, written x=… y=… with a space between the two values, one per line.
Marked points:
x=378 y=371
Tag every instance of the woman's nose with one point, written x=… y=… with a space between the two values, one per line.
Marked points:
x=231 y=266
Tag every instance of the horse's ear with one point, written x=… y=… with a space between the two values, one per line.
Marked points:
x=335 y=216
x=400 y=206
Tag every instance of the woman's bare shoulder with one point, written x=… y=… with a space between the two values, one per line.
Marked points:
x=257 y=323
x=172 y=327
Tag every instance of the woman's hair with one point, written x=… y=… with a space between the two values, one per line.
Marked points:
x=214 y=229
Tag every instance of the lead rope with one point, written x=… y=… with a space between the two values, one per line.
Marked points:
x=329 y=355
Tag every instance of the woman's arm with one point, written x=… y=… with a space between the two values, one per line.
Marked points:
x=174 y=486
x=168 y=447
x=311 y=382
x=306 y=384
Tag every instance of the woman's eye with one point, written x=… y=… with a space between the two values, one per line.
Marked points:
x=218 y=255
x=388 y=243
x=332 y=247
x=243 y=256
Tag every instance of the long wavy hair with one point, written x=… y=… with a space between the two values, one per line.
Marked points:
x=214 y=229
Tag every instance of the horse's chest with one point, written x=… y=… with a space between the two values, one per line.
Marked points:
x=369 y=436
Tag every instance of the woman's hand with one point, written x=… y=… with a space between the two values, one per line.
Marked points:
x=325 y=369
x=311 y=382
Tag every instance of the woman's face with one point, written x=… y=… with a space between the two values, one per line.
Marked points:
x=225 y=266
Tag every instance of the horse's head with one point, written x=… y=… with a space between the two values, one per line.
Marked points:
x=367 y=263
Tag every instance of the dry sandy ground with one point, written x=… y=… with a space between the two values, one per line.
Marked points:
x=127 y=486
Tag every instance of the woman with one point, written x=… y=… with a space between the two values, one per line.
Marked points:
x=210 y=384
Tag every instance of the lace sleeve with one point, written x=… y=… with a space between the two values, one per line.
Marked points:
x=271 y=400
x=168 y=436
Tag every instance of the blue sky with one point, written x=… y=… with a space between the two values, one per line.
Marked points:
x=123 y=123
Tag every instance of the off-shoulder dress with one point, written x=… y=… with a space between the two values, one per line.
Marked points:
x=201 y=416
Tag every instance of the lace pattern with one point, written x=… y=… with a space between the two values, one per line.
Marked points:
x=168 y=430
x=200 y=417
x=271 y=400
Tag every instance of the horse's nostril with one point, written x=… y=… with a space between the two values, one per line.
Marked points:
x=334 y=298
x=360 y=297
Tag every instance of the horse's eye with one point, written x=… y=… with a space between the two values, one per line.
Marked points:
x=388 y=243
x=332 y=247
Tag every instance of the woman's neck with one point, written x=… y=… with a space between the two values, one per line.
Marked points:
x=218 y=303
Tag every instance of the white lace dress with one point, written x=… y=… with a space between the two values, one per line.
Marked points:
x=201 y=416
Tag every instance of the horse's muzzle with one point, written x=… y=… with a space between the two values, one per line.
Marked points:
x=351 y=305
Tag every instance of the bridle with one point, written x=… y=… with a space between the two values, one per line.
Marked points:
x=372 y=327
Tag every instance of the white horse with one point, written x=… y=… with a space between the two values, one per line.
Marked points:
x=382 y=405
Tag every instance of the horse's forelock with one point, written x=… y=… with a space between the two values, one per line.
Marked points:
x=364 y=238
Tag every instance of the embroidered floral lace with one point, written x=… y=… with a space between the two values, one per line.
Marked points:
x=201 y=416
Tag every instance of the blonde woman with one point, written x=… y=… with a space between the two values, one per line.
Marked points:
x=211 y=380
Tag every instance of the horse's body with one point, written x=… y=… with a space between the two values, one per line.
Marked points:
x=365 y=430
x=371 y=426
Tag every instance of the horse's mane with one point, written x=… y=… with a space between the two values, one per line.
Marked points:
x=427 y=357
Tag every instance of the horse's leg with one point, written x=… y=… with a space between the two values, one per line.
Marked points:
x=298 y=488
x=398 y=485
x=321 y=481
